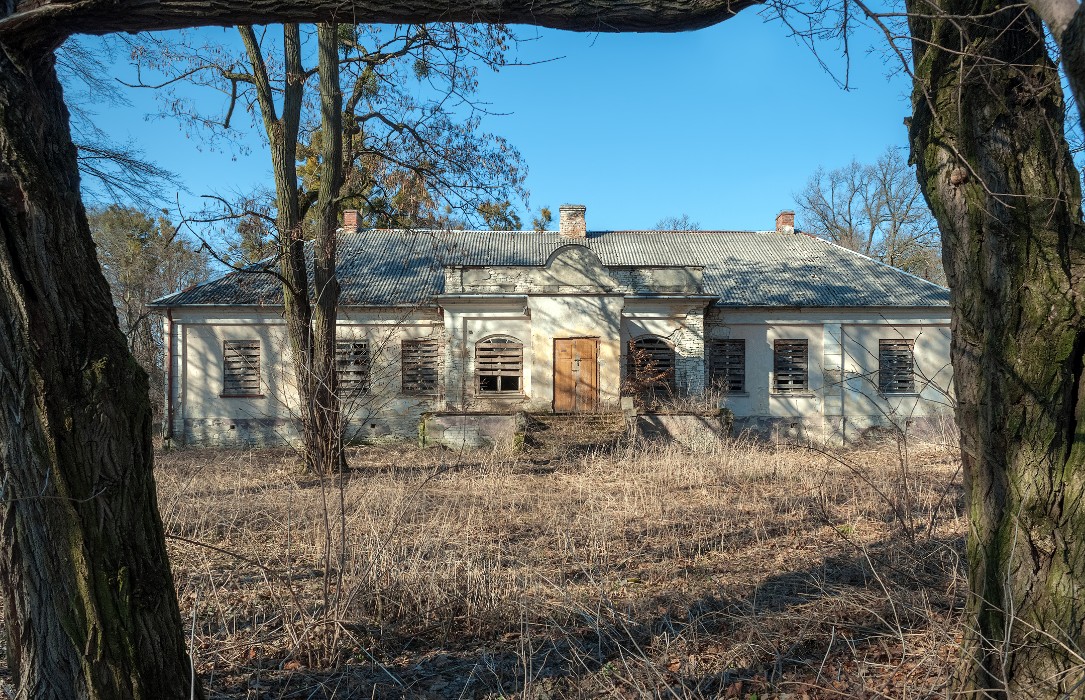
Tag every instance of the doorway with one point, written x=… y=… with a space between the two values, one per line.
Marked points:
x=576 y=374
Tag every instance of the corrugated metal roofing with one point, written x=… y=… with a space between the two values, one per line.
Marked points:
x=742 y=268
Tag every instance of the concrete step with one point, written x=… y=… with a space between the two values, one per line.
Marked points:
x=562 y=432
x=579 y=419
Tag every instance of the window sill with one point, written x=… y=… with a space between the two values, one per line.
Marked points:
x=793 y=395
x=902 y=394
x=501 y=395
x=735 y=394
x=242 y=396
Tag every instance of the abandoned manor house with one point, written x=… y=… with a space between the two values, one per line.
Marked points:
x=448 y=334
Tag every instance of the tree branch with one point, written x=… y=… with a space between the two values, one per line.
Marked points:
x=46 y=23
x=1056 y=14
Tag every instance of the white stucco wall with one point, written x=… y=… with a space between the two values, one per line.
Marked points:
x=202 y=415
x=476 y=320
x=594 y=316
x=842 y=403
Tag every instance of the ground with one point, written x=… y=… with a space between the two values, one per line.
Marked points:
x=583 y=565
x=576 y=567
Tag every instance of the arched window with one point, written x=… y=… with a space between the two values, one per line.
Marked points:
x=499 y=365
x=650 y=365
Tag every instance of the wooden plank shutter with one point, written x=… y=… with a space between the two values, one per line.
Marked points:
x=499 y=365
x=896 y=366
x=791 y=366
x=241 y=368
x=650 y=364
x=418 y=359
x=728 y=365
x=352 y=364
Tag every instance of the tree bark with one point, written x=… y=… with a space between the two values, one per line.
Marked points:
x=89 y=600
x=327 y=412
x=1066 y=21
x=48 y=22
x=310 y=321
x=987 y=137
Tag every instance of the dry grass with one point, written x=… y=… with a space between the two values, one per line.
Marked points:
x=627 y=571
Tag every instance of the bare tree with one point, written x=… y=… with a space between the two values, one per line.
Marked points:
x=113 y=172
x=400 y=158
x=678 y=223
x=877 y=210
x=1065 y=19
x=414 y=151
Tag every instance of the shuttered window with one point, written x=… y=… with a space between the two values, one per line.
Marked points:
x=352 y=366
x=727 y=363
x=896 y=367
x=650 y=364
x=499 y=365
x=241 y=368
x=418 y=360
x=791 y=367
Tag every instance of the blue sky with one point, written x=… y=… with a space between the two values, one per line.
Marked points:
x=725 y=124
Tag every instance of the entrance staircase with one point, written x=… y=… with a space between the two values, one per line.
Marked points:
x=560 y=436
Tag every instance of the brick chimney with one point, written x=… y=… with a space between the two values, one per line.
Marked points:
x=571 y=222
x=350 y=221
x=785 y=222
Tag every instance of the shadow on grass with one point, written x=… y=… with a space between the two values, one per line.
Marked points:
x=786 y=629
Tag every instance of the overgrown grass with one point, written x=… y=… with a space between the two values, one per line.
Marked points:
x=630 y=570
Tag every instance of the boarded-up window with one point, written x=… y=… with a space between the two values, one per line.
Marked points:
x=896 y=367
x=727 y=363
x=790 y=373
x=418 y=359
x=499 y=365
x=650 y=364
x=241 y=368
x=352 y=366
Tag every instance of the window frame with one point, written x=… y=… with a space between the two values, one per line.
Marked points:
x=721 y=377
x=358 y=372
x=669 y=381
x=491 y=348
x=786 y=365
x=891 y=345
x=231 y=351
x=420 y=364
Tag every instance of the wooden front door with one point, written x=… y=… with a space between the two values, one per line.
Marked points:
x=576 y=374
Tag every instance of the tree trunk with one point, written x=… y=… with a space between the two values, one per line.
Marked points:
x=987 y=136
x=327 y=412
x=311 y=334
x=89 y=600
x=50 y=21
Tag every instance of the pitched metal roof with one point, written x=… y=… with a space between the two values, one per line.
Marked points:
x=742 y=268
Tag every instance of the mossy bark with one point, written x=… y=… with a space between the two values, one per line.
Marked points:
x=987 y=137
x=89 y=601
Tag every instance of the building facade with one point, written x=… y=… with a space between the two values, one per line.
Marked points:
x=785 y=331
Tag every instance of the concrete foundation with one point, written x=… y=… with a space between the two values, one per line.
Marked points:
x=472 y=430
